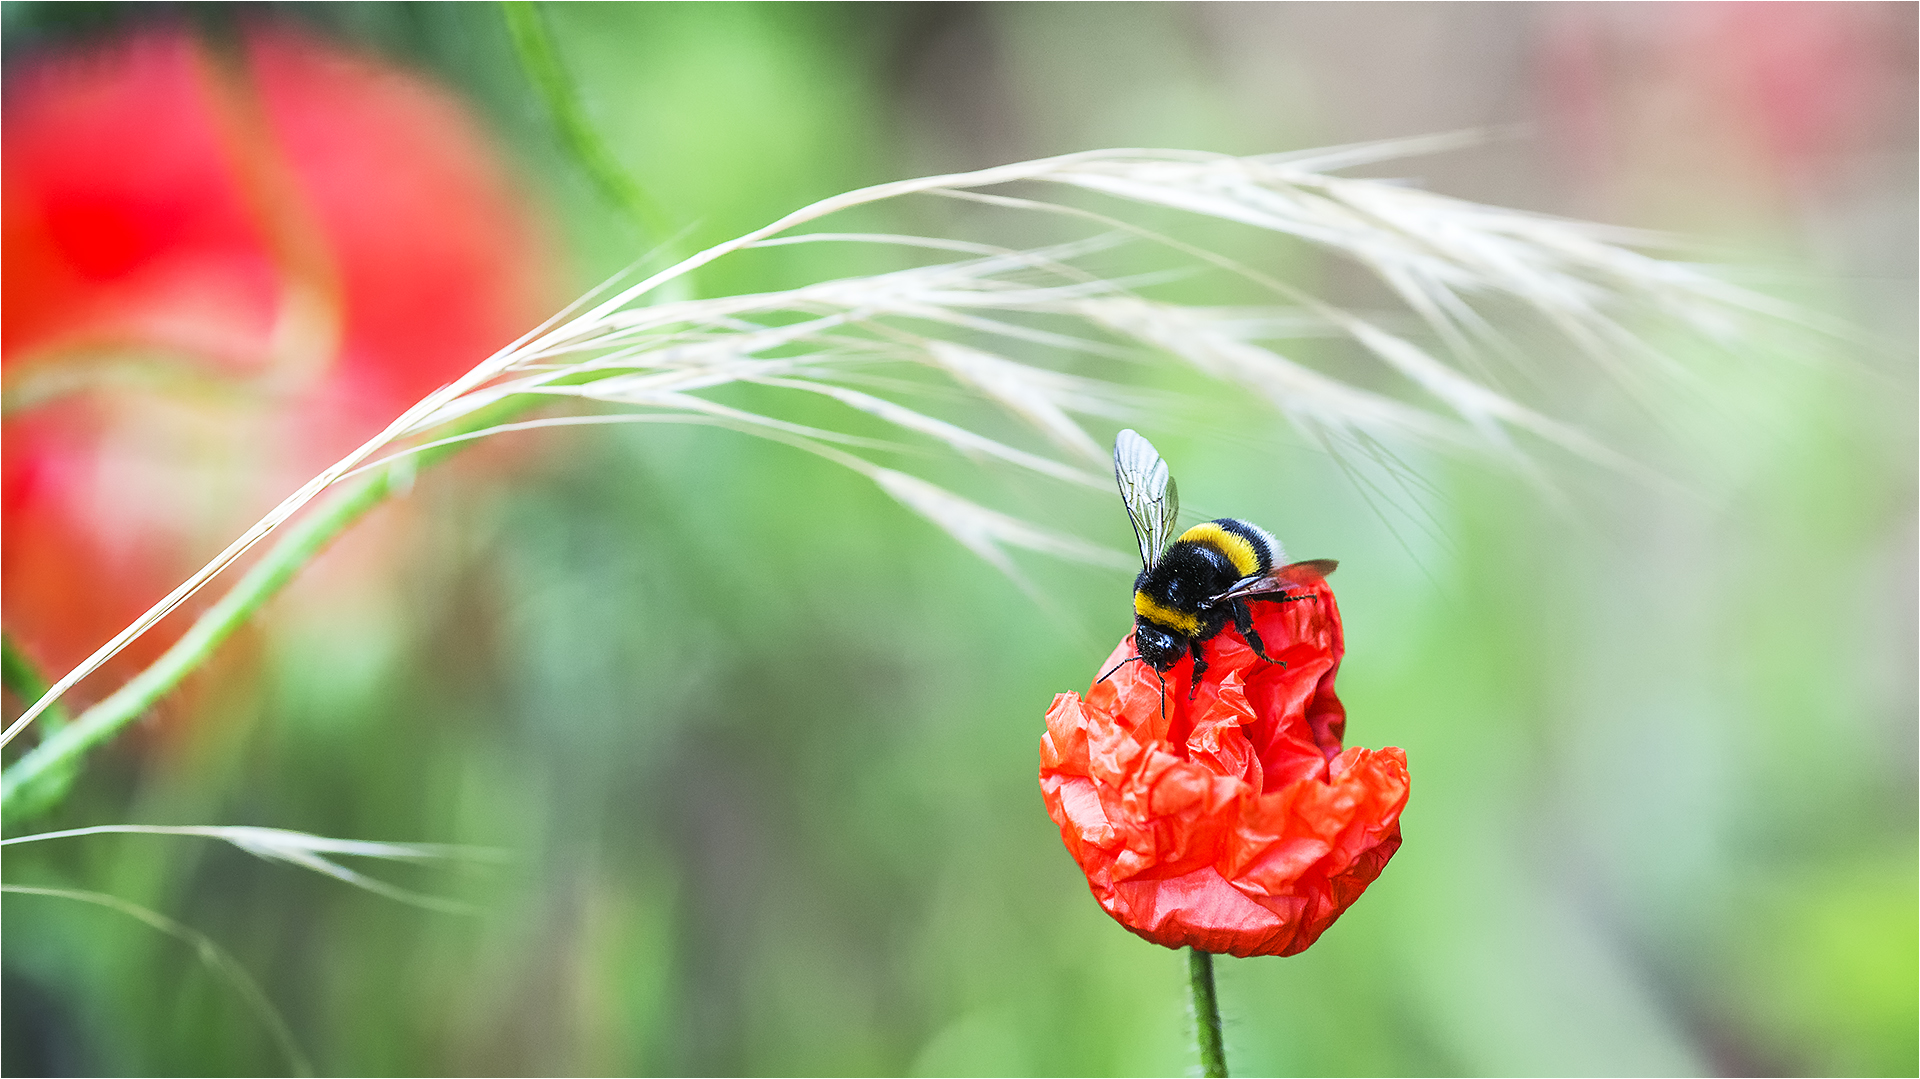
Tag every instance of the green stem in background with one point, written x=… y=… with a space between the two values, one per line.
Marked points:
x=1206 y=1014
x=40 y=778
x=541 y=61
x=23 y=678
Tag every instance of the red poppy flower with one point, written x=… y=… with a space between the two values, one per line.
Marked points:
x=1232 y=822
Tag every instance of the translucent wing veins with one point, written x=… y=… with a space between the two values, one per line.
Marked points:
x=1153 y=503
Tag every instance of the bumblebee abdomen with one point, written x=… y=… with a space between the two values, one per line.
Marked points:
x=1247 y=547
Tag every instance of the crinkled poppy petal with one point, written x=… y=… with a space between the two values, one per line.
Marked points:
x=1225 y=817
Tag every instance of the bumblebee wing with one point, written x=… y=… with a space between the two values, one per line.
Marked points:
x=1153 y=503
x=1284 y=579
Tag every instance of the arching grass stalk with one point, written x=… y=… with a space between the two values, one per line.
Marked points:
x=864 y=342
x=303 y=849
x=217 y=959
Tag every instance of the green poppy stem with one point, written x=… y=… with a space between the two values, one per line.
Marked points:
x=1206 y=1014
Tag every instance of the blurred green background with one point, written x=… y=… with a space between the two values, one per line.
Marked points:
x=763 y=745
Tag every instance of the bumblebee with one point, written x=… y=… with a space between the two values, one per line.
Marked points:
x=1191 y=587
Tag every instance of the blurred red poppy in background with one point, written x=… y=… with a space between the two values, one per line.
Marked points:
x=1232 y=822
x=228 y=261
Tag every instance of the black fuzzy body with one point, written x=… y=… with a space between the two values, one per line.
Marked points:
x=1182 y=582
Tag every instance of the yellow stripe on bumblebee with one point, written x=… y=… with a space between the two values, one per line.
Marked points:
x=1145 y=606
x=1246 y=561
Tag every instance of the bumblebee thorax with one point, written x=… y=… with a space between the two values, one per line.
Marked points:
x=1186 y=574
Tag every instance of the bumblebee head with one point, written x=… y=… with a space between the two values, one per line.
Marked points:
x=1159 y=648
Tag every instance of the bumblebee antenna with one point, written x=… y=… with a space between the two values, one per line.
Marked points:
x=1116 y=667
x=1156 y=674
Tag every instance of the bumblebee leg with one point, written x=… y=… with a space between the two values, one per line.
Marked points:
x=1287 y=597
x=1243 y=621
x=1199 y=667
